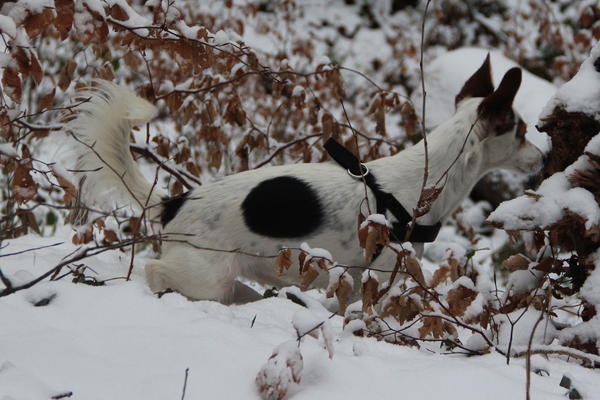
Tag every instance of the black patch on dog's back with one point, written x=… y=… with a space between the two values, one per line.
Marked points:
x=282 y=207
x=171 y=207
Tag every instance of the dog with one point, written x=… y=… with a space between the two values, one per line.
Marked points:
x=221 y=229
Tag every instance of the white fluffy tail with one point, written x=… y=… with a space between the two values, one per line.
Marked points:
x=101 y=131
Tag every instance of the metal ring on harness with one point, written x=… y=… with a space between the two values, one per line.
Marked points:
x=363 y=168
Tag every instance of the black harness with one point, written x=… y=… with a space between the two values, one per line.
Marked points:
x=385 y=201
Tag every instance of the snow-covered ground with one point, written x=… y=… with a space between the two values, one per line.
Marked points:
x=119 y=341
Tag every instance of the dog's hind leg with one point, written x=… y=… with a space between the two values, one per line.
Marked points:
x=197 y=274
x=243 y=294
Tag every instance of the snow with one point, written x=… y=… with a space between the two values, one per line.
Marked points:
x=8 y=150
x=445 y=76
x=519 y=331
x=378 y=219
x=339 y=274
x=322 y=60
x=590 y=291
x=7 y=25
x=121 y=341
x=582 y=92
x=20 y=384
x=297 y=91
x=547 y=205
x=463 y=281
x=523 y=281
x=305 y=322
x=369 y=274
x=315 y=252
x=221 y=38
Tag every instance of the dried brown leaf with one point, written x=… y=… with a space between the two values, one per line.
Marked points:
x=342 y=292
x=308 y=275
x=283 y=262
x=46 y=101
x=35 y=23
x=118 y=13
x=66 y=75
x=370 y=291
x=28 y=220
x=12 y=84
x=440 y=275
x=459 y=299
x=516 y=262
x=413 y=267
x=433 y=326
x=403 y=308
x=36 y=69
x=65 y=10
x=110 y=236
x=22 y=185
x=69 y=189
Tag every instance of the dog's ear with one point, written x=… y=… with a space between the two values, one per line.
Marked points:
x=479 y=84
x=500 y=102
x=496 y=109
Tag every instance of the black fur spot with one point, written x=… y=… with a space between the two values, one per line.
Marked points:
x=171 y=207
x=283 y=207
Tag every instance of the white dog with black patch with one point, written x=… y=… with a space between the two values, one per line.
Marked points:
x=262 y=211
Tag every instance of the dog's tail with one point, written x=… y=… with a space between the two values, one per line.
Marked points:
x=101 y=133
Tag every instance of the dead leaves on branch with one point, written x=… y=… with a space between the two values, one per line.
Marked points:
x=36 y=22
x=373 y=236
x=370 y=291
x=65 y=12
x=11 y=81
x=459 y=299
x=283 y=262
x=341 y=285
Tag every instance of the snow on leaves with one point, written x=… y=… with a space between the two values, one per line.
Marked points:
x=283 y=368
x=373 y=235
x=340 y=285
x=564 y=212
x=370 y=291
x=305 y=323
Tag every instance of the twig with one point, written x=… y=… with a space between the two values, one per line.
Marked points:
x=589 y=359
x=424 y=101
x=79 y=254
x=31 y=249
x=283 y=147
x=426 y=167
x=178 y=174
x=62 y=395
x=187 y=370
x=320 y=324
x=528 y=357
x=7 y=283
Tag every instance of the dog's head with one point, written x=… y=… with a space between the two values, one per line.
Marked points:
x=498 y=126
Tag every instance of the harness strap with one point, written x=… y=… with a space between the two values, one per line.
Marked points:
x=385 y=200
